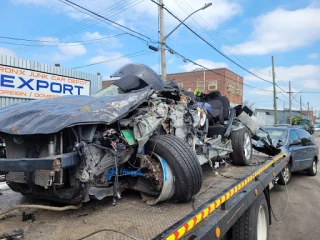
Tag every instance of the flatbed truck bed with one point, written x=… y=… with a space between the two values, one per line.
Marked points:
x=222 y=199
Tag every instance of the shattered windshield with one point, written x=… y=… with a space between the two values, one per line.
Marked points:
x=109 y=91
x=275 y=134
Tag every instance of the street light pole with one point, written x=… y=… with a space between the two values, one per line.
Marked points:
x=163 y=38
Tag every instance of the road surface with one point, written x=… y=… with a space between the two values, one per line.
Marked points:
x=302 y=217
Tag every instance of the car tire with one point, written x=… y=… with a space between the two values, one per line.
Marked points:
x=182 y=160
x=254 y=222
x=242 y=147
x=312 y=171
x=285 y=175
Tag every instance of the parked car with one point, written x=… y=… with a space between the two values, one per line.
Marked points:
x=305 y=124
x=317 y=128
x=301 y=146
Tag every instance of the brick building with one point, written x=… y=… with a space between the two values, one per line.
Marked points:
x=107 y=83
x=208 y=80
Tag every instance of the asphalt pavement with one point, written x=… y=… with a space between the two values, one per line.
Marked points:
x=298 y=209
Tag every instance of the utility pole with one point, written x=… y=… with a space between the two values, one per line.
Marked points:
x=162 y=43
x=274 y=94
x=290 y=111
x=309 y=111
x=300 y=106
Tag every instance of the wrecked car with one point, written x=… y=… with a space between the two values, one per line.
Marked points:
x=140 y=134
x=74 y=148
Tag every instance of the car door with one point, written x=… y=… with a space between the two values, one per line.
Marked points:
x=295 y=150
x=308 y=149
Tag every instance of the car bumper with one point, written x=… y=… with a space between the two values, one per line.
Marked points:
x=54 y=163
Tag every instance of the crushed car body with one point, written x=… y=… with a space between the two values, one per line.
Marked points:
x=140 y=134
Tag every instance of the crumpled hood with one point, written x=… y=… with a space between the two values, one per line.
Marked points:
x=54 y=114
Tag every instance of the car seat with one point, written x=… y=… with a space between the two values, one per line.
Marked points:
x=219 y=113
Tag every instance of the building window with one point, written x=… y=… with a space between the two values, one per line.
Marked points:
x=238 y=89
x=230 y=87
x=213 y=85
x=180 y=85
x=200 y=85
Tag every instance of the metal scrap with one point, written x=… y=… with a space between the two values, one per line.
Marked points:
x=16 y=234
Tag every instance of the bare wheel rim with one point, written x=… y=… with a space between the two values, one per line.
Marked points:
x=167 y=189
x=314 y=167
x=286 y=174
x=247 y=146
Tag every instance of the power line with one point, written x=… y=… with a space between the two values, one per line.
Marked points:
x=217 y=50
x=151 y=40
x=305 y=92
x=50 y=41
x=73 y=43
x=75 y=27
x=100 y=16
x=206 y=28
x=131 y=55
x=88 y=22
x=186 y=59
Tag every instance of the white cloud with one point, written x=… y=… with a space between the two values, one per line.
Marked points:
x=313 y=56
x=311 y=84
x=114 y=60
x=282 y=31
x=49 y=40
x=204 y=62
x=7 y=52
x=65 y=51
x=72 y=49
x=219 y=12
x=293 y=73
x=93 y=35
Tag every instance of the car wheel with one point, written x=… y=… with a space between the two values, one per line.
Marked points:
x=183 y=165
x=254 y=223
x=312 y=171
x=242 y=147
x=285 y=175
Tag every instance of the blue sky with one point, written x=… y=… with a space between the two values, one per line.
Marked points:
x=247 y=31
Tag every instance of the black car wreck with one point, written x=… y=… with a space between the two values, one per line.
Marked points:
x=140 y=134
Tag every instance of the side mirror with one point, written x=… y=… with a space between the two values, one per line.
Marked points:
x=295 y=142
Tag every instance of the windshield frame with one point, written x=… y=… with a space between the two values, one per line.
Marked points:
x=268 y=129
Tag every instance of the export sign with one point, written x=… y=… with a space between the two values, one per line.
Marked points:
x=22 y=83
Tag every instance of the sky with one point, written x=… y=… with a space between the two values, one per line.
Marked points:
x=248 y=32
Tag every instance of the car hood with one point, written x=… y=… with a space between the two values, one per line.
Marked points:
x=54 y=114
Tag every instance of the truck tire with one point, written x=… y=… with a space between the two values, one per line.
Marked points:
x=183 y=162
x=312 y=171
x=285 y=175
x=241 y=146
x=254 y=222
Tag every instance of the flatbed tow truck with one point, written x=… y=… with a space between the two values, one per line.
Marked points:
x=233 y=204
